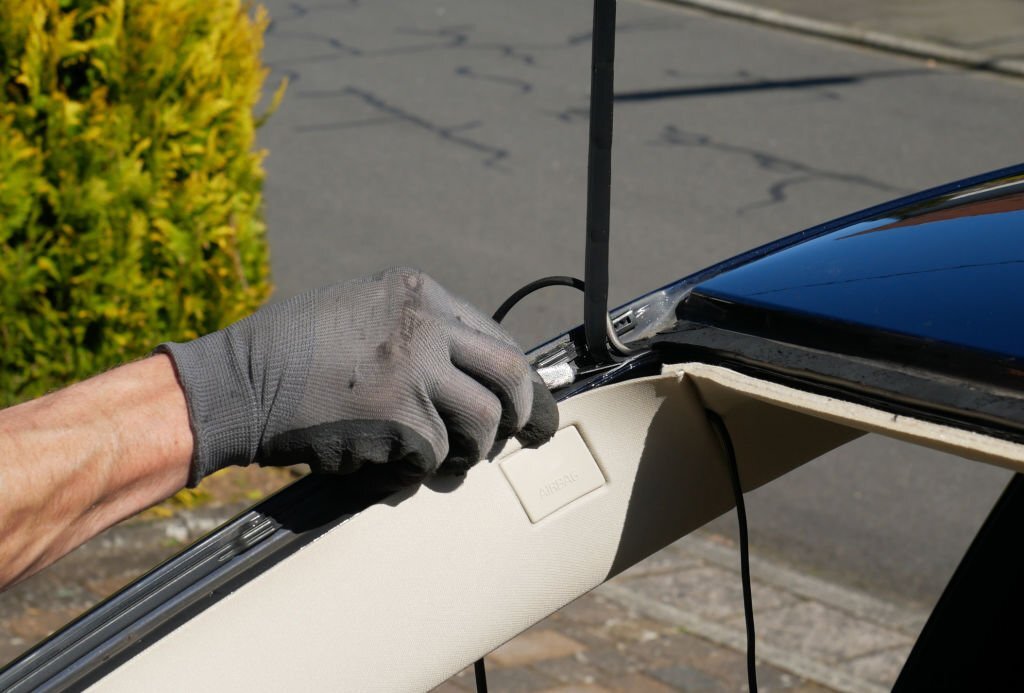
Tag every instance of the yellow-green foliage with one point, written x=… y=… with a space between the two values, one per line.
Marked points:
x=129 y=187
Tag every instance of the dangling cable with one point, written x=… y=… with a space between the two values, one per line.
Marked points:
x=741 y=516
x=597 y=325
x=499 y=315
x=478 y=667
x=481 y=675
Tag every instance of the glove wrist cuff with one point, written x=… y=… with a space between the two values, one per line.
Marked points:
x=220 y=404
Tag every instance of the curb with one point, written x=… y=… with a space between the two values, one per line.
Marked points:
x=891 y=43
x=857 y=605
x=737 y=640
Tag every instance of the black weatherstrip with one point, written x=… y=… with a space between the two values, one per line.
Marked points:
x=892 y=387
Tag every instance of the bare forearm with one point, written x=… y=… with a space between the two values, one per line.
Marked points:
x=390 y=371
x=79 y=460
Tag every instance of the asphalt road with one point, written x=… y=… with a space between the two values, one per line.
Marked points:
x=452 y=136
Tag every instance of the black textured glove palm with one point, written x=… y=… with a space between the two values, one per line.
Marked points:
x=387 y=369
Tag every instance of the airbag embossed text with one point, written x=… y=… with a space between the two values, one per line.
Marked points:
x=551 y=477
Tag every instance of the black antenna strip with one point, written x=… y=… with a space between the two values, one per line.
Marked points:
x=599 y=181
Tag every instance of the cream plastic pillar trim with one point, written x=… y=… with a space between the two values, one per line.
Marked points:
x=410 y=591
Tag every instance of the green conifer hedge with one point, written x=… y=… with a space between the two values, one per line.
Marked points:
x=130 y=191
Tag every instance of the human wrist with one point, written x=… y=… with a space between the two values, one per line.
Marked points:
x=86 y=457
x=143 y=407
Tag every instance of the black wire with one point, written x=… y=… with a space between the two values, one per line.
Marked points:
x=499 y=315
x=522 y=293
x=741 y=516
x=481 y=676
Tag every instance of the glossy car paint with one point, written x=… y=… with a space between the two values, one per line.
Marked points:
x=942 y=275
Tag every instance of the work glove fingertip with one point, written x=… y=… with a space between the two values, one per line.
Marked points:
x=464 y=451
x=543 y=421
x=393 y=476
x=456 y=466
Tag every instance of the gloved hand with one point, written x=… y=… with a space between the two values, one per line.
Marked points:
x=387 y=369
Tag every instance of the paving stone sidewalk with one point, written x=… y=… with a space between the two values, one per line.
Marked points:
x=675 y=623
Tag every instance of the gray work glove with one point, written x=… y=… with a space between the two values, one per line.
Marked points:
x=387 y=369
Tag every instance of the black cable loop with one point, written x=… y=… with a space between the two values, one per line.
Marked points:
x=556 y=280
x=559 y=280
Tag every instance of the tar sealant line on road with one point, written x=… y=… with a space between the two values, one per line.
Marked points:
x=920 y=48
